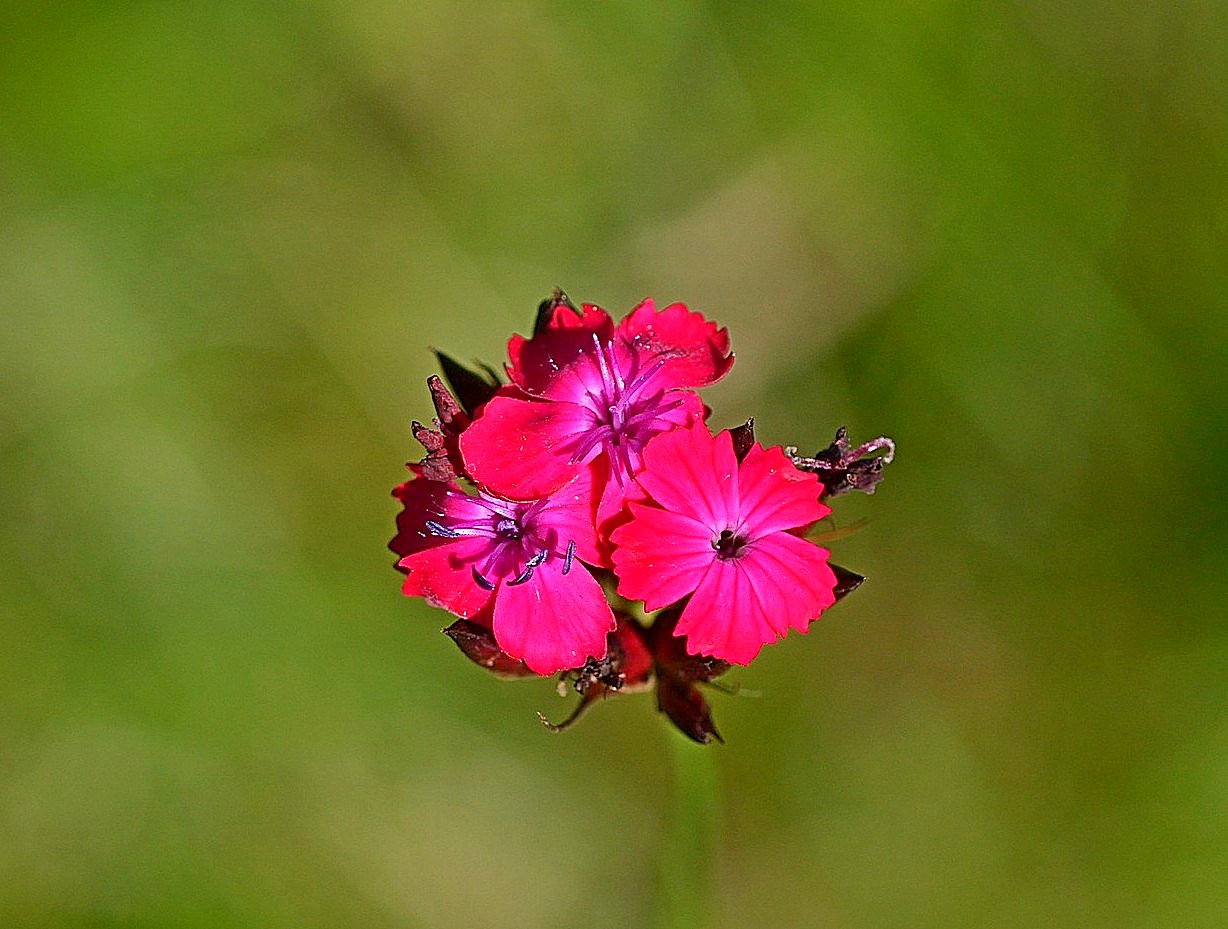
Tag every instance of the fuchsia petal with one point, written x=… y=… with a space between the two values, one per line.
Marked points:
x=774 y=494
x=792 y=577
x=443 y=576
x=557 y=363
x=553 y=621
x=571 y=512
x=691 y=411
x=744 y=603
x=521 y=449
x=694 y=351
x=421 y=500
x=660 y=556
x=688 y=471
x=436 y=568
x=724 y=617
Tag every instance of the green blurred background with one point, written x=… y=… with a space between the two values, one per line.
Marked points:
x=229 y=233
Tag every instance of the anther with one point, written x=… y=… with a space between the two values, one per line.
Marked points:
x=481 y=581
x=571 y=553
x=528 y=568
x=441 y=530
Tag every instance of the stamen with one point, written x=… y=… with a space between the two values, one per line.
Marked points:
x=607 y=379
x=528 y=568
x=571 y=553
x=645 y=375
x=592 y=438
x=657 y=408
x=619 y=380
x=441 y=530
x=481 y=581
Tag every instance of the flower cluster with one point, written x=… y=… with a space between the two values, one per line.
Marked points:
x=583 y=518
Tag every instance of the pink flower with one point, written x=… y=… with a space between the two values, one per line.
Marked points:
x=589 y=393
x=719 y=530
x=516 y=567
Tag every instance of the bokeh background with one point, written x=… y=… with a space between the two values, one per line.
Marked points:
x=229 y=234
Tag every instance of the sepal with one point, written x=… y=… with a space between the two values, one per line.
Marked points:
x=678 y=677
x=478 y=644
x=626 y=668
x=472 y=388
x=846 y=581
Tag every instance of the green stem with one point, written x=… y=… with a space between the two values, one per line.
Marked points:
x=689 y=838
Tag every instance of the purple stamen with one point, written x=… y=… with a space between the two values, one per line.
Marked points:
x=603 y=364
x=639 y=381
x=528 y=568
x=481 y=581
x=441 y=530
x=571 y=553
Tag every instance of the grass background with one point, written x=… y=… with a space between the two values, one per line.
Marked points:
x=230 y=232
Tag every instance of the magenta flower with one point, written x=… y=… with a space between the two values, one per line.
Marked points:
x=593 y=471
x=589 y=393
x=721 y=532
x=517 y=567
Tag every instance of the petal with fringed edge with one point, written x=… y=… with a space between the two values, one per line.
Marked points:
x=741 y=604
x=692 y=351
x=774 y=494
x=660 y=556
x=443 y=576
x=522 y=449
x=558 y=362
x=553 y=621
x=690 y=471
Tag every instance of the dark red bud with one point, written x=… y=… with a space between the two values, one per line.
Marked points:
x=678 y=677
x=687 y=709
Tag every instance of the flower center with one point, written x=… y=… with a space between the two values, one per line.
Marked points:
x=627 y=408
x=727 y=544
x=514 y=547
